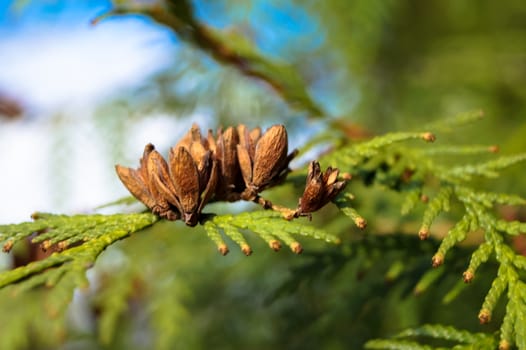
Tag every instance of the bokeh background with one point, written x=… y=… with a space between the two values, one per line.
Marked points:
x=77 y=98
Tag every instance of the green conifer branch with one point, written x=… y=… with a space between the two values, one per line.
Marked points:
x=459 y=150
x=396 y=345
x=439 y=204
x=443 y=332
x=96 y=231
x=350 y=156
x=451 y=124
x=456 y=234
x=372 y=147
x=479 y=256
x=384 y=161
x=344 y=202
x=412 y=198
x=269 y=225
x=461 y=339
x=488 y=169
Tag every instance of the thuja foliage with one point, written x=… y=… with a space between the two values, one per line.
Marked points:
x=75 y=242
x=62 y=232
x=411 y=171
x=456 y=339
x=46 y=286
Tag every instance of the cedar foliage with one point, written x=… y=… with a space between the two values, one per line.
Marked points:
x=136 y=266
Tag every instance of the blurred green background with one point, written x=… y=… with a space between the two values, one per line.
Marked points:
x=76 y=99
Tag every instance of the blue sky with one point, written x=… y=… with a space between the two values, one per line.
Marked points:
x=51 y=56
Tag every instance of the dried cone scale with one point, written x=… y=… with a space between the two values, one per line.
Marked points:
x=229 y=183
x=158 y=174
x=138 y=182
x=194 y=181
x=263 y=160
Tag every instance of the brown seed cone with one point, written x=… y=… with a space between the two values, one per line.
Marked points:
x=237 y=164
x=320 y=188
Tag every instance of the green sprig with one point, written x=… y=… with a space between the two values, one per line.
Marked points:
x=269 y=225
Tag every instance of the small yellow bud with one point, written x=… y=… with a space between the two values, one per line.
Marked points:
x=8 y=246
x=504 y=345
x=62 y=245
x=275 y=245
x=223 y=249
x=245 y=248
x=437 y=259
x=468 y=276
x=484 y=316
x=360 y=222
x=46 y=245
x=423 y=234
x=428 y=137
x=494 y=149
x=296 y=247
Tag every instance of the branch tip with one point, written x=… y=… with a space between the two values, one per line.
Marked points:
x=484 y=316
x=504 y=345
x=360 y=222
x=46 y=245
x=428 y=137
x=437 y=259
x=8 y=246
x=275 y=245
x=494 y=149
x=468 y=276
x=62 y=245
x=346 y=176
x=245 y=248
x=223 y=249
x=423 y=234
x=296 y=247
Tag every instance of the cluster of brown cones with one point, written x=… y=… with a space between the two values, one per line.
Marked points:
x=235 y=164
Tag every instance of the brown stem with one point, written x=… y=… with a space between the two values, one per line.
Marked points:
x=287 y=213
